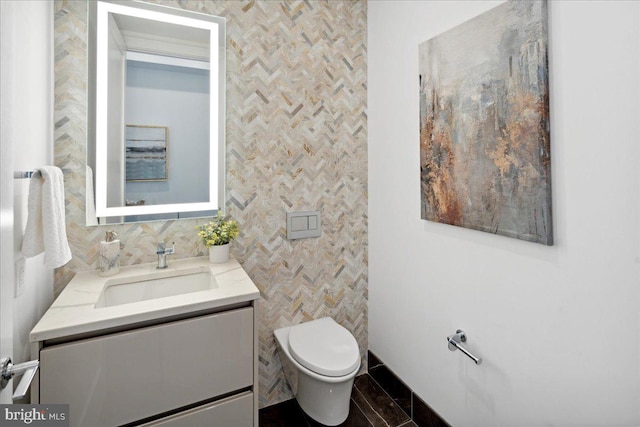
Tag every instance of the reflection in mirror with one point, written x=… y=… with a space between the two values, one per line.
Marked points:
x=158 y=128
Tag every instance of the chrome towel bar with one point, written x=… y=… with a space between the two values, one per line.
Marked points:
x=25 y=174
x=30 y=174
x=455 y=343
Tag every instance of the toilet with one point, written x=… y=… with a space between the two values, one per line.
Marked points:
x=320 y=358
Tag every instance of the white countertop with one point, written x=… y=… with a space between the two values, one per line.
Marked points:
x=74 y=311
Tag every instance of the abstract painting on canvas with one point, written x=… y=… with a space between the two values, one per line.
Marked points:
x=484 y=124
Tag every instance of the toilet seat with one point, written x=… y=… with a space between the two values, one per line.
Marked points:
x=324 y=347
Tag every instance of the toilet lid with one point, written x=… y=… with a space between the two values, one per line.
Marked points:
x=324 y=347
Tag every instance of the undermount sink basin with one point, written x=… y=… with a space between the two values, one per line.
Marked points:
x=117 y=292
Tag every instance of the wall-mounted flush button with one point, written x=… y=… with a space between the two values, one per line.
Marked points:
x=313 y=222
x=303 y=224
x=299 y=223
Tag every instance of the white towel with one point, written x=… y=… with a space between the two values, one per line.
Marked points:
x=46 y=231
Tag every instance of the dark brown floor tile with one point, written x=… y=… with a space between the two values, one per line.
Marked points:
x=424 y=416
x=285 y=414
x=374 y=418
x=394 y=386
x=409 y=424
x=372 y=360
x=355 y=419
x=376 y=405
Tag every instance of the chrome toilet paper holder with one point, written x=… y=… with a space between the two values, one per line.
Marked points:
x=455 y=343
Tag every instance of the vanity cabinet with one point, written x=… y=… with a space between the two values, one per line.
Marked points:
x=191 y=372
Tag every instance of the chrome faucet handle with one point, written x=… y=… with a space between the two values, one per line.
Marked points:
x=170 y=250
x=162 y=251
x=161 y=248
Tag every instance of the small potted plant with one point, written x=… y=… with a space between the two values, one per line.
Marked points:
x=216 y=235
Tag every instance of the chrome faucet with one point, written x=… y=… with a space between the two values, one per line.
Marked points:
x=162 y=252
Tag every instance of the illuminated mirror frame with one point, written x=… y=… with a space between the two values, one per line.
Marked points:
x=216 y=96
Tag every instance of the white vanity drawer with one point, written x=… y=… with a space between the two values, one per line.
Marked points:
x=235 y=411
x=120 y=378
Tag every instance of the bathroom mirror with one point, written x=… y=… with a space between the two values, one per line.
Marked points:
x=156 y=134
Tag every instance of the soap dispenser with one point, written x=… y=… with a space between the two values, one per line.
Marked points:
x=110 y=255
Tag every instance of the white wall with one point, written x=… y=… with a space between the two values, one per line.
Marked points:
x=558 y=327
x=7 y=50
x=30 y=136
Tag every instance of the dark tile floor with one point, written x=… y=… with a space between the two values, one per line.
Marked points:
x=371 y=406
x=421 y=413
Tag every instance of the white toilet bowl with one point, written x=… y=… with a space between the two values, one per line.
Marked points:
x=320 y=359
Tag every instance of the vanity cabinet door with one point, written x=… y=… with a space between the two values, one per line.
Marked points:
x=124 y=377
x=235 y=411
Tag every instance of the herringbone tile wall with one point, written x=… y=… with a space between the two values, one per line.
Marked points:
x=296 y=140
